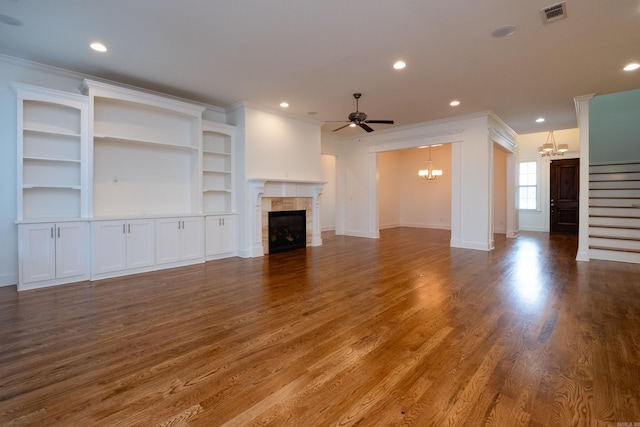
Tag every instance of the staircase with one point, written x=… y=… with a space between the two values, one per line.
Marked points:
x=614 y=212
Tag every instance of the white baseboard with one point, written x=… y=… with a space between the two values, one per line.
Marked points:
x=432 y=226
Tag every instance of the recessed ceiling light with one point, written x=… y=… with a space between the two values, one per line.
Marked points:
x=632 y=66
x=504 y=31
x=98 y=47
x=454 y=103
x=284 y=104
x=10 y=20
x=540 y=120
x=399 y=65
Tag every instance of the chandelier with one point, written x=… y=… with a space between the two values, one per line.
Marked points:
x=550 y=148
x=429 y=174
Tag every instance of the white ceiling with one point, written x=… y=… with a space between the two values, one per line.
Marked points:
x=316 y=54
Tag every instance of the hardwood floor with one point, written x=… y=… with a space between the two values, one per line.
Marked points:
x=397 y=331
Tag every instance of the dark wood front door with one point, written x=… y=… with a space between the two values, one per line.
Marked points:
x=565 y=189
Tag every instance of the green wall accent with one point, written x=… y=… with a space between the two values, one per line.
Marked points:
x=614 y=127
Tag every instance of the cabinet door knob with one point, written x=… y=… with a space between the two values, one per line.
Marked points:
x=124 y=230
x=52 y=232
x=129 y=228
x=58 y=231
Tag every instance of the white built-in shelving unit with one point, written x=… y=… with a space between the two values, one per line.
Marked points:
x=146 y=152
x=117 y=181
x=52 y=154
x=218 y=193
x=146 y=174
x=52 y=145
x=217 y=168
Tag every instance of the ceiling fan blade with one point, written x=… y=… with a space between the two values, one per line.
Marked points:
x=341 y=127
x=337 y=121
x=386 y=122
x=365 y=127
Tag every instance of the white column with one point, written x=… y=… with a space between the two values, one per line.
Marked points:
x=582 y=112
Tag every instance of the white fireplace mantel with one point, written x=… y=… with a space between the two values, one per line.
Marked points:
x=263 y=187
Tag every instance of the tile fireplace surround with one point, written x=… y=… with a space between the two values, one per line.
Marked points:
x=284 y=195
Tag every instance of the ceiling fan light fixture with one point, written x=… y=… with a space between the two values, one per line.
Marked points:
x=359 y=118
x=631 y=67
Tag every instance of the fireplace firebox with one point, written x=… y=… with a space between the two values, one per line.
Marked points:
x=287 y=230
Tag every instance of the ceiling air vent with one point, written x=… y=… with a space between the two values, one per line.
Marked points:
x=554 y=13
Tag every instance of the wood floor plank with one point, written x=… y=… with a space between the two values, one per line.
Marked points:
x=401 y=330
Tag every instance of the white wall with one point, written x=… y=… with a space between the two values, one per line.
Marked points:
x=390 y=189
x=328 y=198
x=280 y=147
x=332 y=145
x=528 y=151
x=499 y=191
x=360 y=208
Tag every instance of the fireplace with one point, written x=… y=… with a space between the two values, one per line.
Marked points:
x=287 y=230
x=275 y=195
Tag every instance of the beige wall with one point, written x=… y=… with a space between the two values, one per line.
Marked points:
x=404 y=198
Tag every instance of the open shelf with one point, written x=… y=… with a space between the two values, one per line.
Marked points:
x=144 y=122
x=48 y=116
x=48 y=201
x=101 y=137
x=51 y=133
x=52 y=146
x=217 y=168
x=49 y=159
x=217 y=153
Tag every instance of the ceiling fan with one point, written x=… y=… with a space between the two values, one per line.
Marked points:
x=358 y=118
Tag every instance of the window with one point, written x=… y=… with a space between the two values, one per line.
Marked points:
x=528 y=186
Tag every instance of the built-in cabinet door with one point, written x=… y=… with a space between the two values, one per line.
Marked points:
x=121 y=245
x=168 y=240
x=228 y=234
x=220 y=234
x=38 y=252
x=192 y=238
x=179 y=239
x=140 y=243
x=71 y=249
x=109 y=246
x=53 y=251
